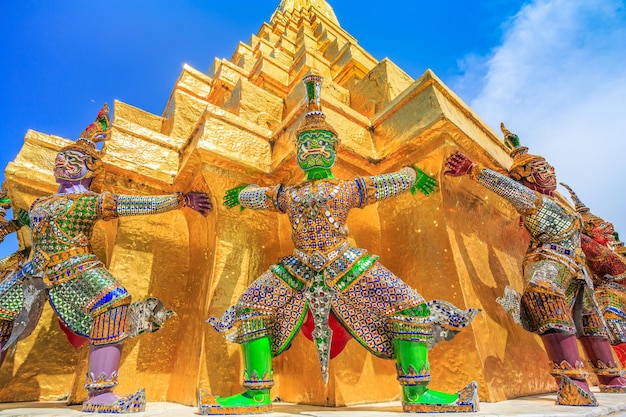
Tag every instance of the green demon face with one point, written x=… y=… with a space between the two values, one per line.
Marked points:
x=316 y=149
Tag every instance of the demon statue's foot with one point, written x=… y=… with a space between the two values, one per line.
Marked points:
x=432 y=401
x=250 y=402
x=113 y=404
x=571 y=393
x=613 y=385
x=611 y=378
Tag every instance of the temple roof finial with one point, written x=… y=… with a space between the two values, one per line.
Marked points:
x=321 y=5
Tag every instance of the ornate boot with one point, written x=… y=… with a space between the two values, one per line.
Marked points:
x=414 y=375
x=562 y=350
x=104 y=362
x=610 y=374
x=257 y=381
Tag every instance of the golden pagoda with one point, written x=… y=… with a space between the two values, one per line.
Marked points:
x=235 y=124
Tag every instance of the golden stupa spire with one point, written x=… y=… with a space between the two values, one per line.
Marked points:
x=321 y=5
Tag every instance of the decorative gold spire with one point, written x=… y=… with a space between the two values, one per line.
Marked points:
x=320 y=5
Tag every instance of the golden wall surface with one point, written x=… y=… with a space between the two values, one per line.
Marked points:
x=235 y=124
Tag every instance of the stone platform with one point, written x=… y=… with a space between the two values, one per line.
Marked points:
x=533 y=406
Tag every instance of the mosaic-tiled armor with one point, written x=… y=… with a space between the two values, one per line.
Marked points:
x=90 y=303
x=558 y=300
x=330 y=289
x=86 y=297
x=8 y=266
x=609 y=273
x=608 y=268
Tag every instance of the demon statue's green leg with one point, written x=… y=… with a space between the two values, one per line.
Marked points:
x=411 y=350
x=258 y=381
x=414 y=374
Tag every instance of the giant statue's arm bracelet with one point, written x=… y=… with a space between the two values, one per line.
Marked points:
x=12 y=261
x=261 y=198
x=110 y=206
x=380 y=187
x=8 y=227
x=523 y=198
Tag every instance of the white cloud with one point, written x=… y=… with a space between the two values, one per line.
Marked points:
x=558 y=80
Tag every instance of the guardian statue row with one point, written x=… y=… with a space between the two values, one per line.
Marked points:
x=327 y=288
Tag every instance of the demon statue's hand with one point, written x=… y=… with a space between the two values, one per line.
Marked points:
x=22 y=218
x=424 y=183
x=199 y=202
x=231 y=198
x=458 y=164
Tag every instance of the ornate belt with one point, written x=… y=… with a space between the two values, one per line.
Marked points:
x=318 y=260
x=42 y=261
x=64 y=256
x=560 y=249
x=571 y=258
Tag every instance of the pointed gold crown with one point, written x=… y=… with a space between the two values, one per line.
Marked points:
x=98 y=131
x=314 y=119
x=521 y=158
x=590 y=220
x=578 y=205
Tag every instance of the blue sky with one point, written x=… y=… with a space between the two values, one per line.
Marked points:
x=553 y=70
